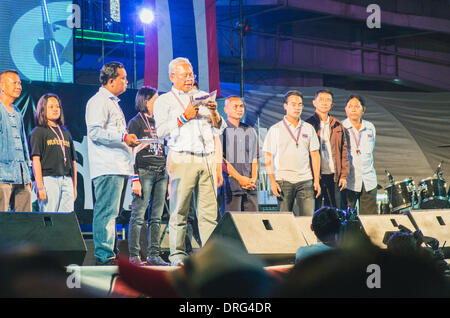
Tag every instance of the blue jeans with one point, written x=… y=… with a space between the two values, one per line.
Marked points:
x=302 y=191
x=107 y=190
x=154 y=188
x=60 y=196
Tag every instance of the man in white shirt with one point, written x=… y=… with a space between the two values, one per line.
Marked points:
x=110 y=157
x=362 y=178
x=288 y=147
x=190 y=132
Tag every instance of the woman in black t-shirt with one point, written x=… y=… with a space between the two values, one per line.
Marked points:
x=149 y=181
x=54 y=157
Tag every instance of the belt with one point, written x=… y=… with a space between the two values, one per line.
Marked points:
x=198 y=154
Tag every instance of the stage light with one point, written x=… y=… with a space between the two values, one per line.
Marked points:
x=146 y=16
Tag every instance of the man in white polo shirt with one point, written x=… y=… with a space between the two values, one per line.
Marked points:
x=362 y=178
x=288 y=146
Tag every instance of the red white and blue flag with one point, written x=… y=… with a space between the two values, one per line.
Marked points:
x=182 y=28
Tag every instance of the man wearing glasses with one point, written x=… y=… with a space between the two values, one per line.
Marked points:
x=190 y=132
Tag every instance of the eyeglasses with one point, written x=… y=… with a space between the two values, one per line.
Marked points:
x=186 y=76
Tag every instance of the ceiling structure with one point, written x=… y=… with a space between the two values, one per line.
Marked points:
x=299 y=43
x=328 y=43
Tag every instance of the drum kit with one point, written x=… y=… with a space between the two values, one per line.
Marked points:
x=430 y=194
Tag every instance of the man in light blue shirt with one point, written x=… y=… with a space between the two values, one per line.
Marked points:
x=362 y=178
x=15 y=177
x=110 y=157
x=191 y=133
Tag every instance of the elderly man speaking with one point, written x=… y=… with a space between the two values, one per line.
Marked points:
x=191 y=132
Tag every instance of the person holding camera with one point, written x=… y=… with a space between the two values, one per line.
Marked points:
x=407 y=243
x=326 y=225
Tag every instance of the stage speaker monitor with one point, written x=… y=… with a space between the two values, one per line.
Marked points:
x=55 y=234
x=380 y=227
x=433 y=223
x=272 y=236
x=304 y=226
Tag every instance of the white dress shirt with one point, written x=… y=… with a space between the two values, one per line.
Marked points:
x=291 y=163
x=105 y=123
x=326 y=156
x=360 y=155
x=196 y=135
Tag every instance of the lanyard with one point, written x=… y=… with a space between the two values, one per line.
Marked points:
x=144 y=118
x=357 y=140
x=179 y=100
x=156 y=147
x=291 y=134
x=61 y=142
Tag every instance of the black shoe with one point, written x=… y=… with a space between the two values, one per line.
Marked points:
x=110 y=262
x=156 y=261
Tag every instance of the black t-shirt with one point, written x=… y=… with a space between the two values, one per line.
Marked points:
x=152 y=156
x=44 y=143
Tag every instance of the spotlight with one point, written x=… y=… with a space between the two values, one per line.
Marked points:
x=146 y=16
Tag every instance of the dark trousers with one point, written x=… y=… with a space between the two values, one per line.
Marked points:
x=329 y=194
x=367 y=200
x=241 y=202
x=302 y=192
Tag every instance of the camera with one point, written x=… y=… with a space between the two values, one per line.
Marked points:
x=351 y=227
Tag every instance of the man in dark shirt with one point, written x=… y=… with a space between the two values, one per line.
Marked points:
x=240 y=165
x=333 y=150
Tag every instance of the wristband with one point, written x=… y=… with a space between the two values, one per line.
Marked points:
x=135 y=178
x=183 y=119
x=124 y=136
x=39 y=189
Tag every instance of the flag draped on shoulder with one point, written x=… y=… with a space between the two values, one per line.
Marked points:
x=182 y=28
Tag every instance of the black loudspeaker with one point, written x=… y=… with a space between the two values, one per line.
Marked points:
x=55 y=234
x=273 y=236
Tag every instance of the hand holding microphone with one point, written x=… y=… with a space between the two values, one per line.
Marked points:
x=191 y=111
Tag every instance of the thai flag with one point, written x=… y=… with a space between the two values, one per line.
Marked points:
x=182 y=28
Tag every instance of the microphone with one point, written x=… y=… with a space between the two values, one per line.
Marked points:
x=438 y=172
x=191 y=94
x=389 y=175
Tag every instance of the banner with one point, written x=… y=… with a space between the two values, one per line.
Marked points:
x=184 y=28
